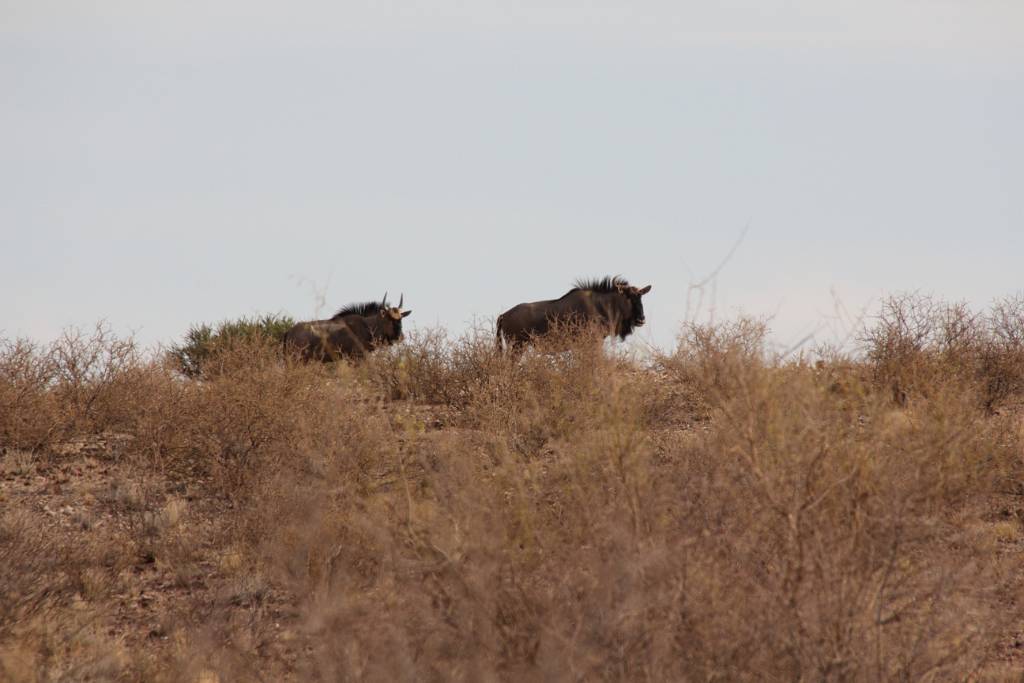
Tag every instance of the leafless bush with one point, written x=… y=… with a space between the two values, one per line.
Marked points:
x=93 y=376
x=80 y=384
x=711 y=361
x=423 y=368
x=1002 y=354
x=445 y=511
x=28 y=414
x=917 y=343
x=807 y=535
x=246 y=419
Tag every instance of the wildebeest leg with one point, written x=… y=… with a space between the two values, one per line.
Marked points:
x=509 y=342
x=498 y=336
x=515 y=347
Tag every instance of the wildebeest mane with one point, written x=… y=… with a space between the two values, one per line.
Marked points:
x=602 y=285
x=364 y=309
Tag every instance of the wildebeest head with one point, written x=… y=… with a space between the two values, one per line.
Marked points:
x=388 y=328
x=634 y=306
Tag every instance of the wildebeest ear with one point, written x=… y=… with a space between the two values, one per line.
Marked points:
x=405 y=313
x=645 y=290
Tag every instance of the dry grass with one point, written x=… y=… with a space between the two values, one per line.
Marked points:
x=445 y=512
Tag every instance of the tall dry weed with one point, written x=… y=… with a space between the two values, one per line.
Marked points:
x=808 y=533
x=447 y=511
x=51 y=594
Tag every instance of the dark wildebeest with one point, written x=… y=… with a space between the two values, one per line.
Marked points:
x=610 y=303
x=354 y=331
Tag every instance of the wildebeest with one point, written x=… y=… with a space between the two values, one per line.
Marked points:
x=611 y=303
x=353 y=331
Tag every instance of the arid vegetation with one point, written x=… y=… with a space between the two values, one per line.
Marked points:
x=441 y=511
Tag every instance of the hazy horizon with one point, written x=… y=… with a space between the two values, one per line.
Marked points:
x=172 y=164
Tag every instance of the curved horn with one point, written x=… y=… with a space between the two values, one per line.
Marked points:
x=384 y=301
x=401 y=299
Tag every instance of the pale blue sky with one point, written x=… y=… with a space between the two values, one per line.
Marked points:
x=167 y=163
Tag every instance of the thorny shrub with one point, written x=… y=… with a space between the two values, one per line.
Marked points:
x=83 y=383
x=50 y=592
x=445 y=511
x=917 y=342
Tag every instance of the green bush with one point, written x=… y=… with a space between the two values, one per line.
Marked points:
x=204 y=342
